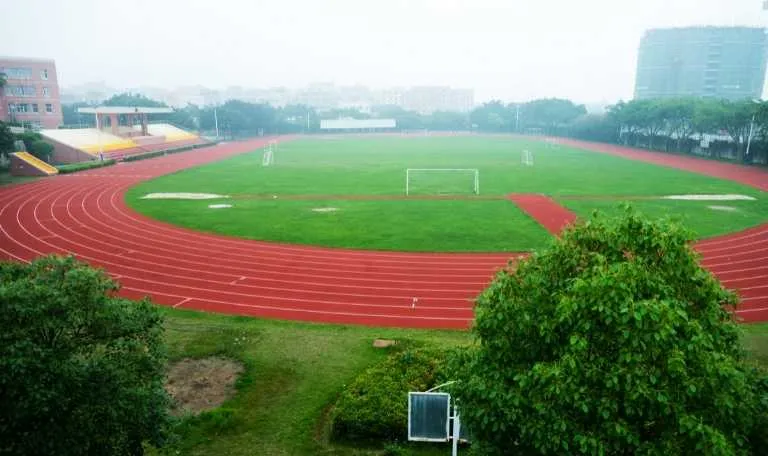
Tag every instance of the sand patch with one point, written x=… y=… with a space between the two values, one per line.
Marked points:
x=197 y=385
x=727 y=197
x=183 y=196
x=325 y=209
x=723 y=208
x=219 y=206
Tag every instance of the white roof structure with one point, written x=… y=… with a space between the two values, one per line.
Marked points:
x=123 y=110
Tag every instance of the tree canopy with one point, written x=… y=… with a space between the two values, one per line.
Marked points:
x=81 y=371
x=613 y=341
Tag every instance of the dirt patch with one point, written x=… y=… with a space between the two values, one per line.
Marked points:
x=219 y=206
x=197 y=385
x=325 y=209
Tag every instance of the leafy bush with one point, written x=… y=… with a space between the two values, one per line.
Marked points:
x=613 y=341
x=375 y=405
x=159 y=153
x=81 y=371
x=75 y=167
x=41 y=150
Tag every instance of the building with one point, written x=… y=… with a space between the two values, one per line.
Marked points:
x=31 y=93
x=713 y=62
x=428 y=99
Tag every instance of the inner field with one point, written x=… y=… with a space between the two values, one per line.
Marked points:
x=359 y=185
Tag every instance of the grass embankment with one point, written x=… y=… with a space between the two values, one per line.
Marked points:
x=294 y=371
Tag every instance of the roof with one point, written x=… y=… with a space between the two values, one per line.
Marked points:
x=25 y=59
x=123 y=110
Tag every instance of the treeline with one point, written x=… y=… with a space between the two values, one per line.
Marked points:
x=714 y=128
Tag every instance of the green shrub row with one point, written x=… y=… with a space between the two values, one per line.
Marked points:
x=74 y=167
x=375 y=405
x=159 y=153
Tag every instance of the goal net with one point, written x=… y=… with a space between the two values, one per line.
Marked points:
x=527 y=158
x=442 y=181
x=269 y=154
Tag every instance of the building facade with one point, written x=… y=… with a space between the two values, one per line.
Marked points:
x=711 y=62
x=428 y=99
x=31 y=92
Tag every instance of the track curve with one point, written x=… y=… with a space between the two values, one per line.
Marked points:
x=85 y=214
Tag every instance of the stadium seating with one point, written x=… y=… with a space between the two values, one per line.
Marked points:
x=88 y=140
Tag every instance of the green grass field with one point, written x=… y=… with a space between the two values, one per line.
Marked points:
x=294 y=371
x=364 y=179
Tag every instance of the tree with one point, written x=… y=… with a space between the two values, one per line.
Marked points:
x=7 y=140
x=3 y=79
x=41 y=150
x=133 y=99
x=613 y=341
x=81 y=371
x=492 y=117
x=550 y=114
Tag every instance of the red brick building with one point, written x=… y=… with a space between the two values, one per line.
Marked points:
x=31 y=93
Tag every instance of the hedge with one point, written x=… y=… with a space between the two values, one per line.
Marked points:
x=375 y=405
x=159 y=153
x=75 y=167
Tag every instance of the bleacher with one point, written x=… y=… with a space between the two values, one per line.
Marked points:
x=77 y=145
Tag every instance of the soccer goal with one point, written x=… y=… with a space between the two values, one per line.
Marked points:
x=527 y=158
x=268 y=158
x=442 y=181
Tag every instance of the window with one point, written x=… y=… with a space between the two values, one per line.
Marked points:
x=17 y=73
x=20 y=91
x=44 y=75
x=11 y=108
x=45 y=92
x=34 y=107
x=48 y=108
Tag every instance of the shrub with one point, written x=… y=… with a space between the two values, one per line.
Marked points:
x=613 y=341
x=75 y=167
x=375 y=405
x=159 y=153
x=81 y=371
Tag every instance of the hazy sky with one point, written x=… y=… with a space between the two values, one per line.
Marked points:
x=509 y=49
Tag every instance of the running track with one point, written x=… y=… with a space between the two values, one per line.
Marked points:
x=85 y=214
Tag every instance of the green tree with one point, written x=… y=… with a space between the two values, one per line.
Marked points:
x=133 y=99
x=41 y=150
x=81 y=371
x=3 y=79
x=613 y=341
x=7 y=140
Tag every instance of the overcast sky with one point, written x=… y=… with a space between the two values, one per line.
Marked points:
x=509 y=49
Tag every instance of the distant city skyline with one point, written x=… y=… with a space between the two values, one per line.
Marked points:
x=503 y=49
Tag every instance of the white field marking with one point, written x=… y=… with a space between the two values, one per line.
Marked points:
x=727 y=197
x=325 y=209
x=184 y=196
x=723 y=208
x=219 y=206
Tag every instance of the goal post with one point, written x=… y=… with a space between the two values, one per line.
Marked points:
x=526 y=158
x=442 y=181
x=269 y=153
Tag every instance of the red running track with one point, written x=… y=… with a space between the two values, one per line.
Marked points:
x=546 y=211
x=85 y=214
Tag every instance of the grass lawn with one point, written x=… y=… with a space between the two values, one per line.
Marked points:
x=293 y=372
x=7 y=179
x=324 y=171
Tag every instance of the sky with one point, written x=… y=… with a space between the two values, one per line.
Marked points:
x=513 y=50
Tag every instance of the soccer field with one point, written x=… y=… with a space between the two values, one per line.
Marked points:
x=350 y=192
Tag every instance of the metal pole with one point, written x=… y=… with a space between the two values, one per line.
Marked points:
x=216 y=121
x=517 y=118
x=407 y=180
x=456 y=430
x=98 y=128
x=749 y=138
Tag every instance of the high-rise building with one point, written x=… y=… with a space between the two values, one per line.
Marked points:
x=713 y=62
x=31 y=92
